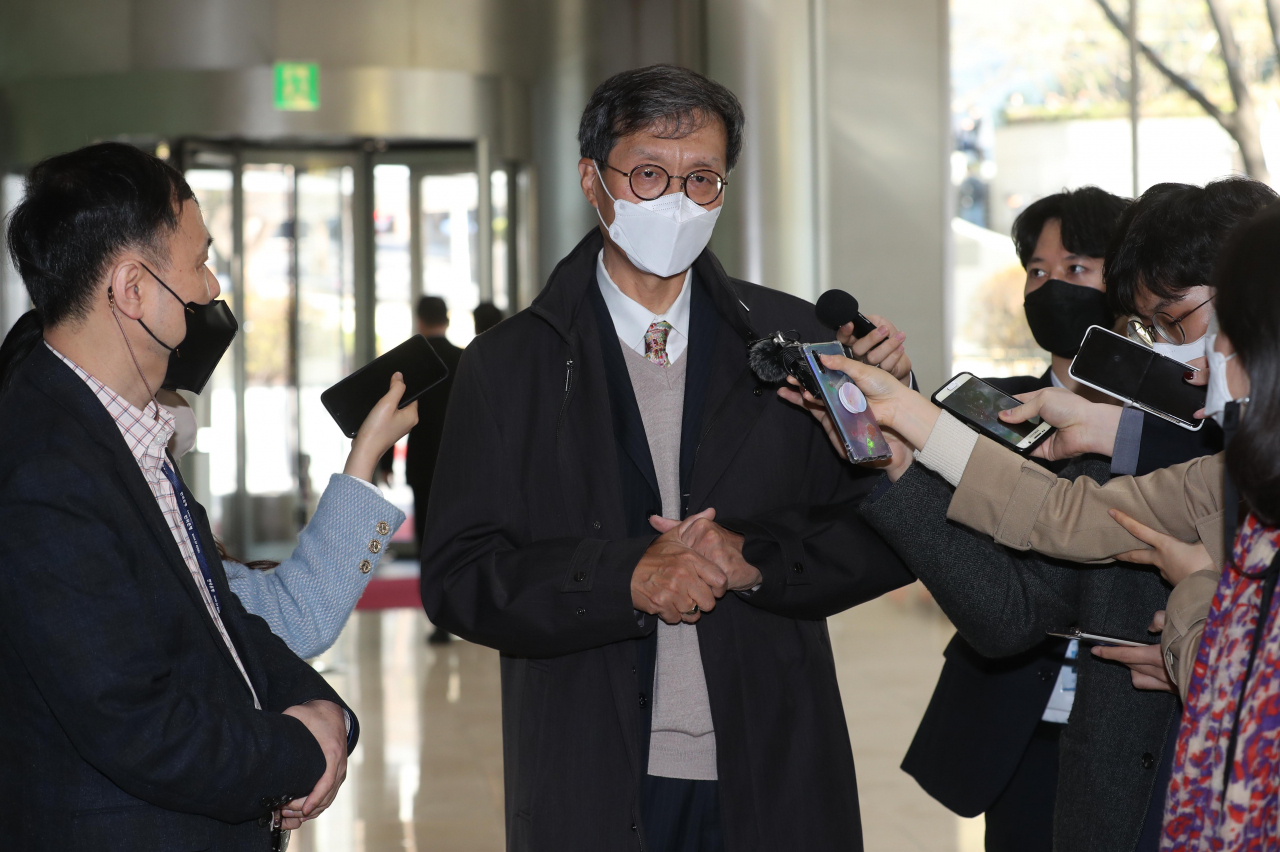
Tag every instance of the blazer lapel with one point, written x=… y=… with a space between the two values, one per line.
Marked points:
x=69 y=391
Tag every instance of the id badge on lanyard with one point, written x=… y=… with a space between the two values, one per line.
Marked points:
x=193 y=534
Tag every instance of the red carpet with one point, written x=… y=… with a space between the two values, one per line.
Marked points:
x=391 y=593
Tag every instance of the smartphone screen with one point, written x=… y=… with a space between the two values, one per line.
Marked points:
x=1130 y=371
x=974 y=400
x=350 y=400
x=863 y=440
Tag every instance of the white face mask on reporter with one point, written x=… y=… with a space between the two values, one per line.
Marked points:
x=1184 y=352
x=1217 y=394
x=183 y=439
x=662 y=237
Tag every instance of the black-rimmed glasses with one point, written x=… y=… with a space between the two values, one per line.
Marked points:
x=1167 y=327
x=649 y=182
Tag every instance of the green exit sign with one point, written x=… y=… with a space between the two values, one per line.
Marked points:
x=297 y=86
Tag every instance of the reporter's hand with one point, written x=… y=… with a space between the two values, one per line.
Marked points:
x=1146 y=664
x=886 y=347
x=716 y=544
x=1082 y=426
x=384 y=425
x=327 y=723
x=1177 y=560
x=672 y=577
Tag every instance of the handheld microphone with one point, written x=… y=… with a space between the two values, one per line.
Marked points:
x=836 y=307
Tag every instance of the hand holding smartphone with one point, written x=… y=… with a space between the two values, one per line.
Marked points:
x=350 y=400
x=863 y=441
x=979 y=404
x=1138 y=375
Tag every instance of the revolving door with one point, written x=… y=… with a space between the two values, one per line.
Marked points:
x=322 y=254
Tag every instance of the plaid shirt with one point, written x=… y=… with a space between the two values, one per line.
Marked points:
x=147 y=434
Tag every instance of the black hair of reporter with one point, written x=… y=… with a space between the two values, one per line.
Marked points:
x=1060 y=310
x=1169 y=241
x=25 y=334
x=1248 y=306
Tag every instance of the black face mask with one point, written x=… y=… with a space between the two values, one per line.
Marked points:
x=210 y=330
x=1059 y=314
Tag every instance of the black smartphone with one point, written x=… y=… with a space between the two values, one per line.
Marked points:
x=351 y=400
x=1132 y=372
x=979 y=404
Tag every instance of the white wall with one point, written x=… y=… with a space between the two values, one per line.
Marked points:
x=843 y=182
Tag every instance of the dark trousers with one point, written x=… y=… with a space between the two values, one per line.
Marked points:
x=680 y=815
x=1021 y=818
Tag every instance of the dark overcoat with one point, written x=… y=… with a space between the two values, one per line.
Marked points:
x=125 y=723
x=530 y=547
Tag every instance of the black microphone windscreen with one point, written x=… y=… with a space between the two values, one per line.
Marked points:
x=835 y=308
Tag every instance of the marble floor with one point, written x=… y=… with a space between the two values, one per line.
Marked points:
x=427 y=774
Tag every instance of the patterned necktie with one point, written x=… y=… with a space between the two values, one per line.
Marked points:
x=655 y=343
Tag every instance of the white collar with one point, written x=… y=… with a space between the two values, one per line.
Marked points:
x=631 y=320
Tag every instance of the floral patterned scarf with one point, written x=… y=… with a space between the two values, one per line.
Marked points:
x=1197 y=817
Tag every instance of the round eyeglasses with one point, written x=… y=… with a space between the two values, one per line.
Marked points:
x=649 y=182
x=1163 y=326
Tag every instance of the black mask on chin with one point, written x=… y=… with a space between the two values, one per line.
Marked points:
x=1059 y=314
x=210 y=330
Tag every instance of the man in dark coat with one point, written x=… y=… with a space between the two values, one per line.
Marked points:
x=144 y=709
x=988 y=742
x=557 y=452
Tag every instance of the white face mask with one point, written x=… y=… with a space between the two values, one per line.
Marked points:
x=664 y=236
x=1185 y=352
x=1217 y=393
x=183 y=439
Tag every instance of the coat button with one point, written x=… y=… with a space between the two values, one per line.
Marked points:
x=365 y=566
x=595 y=525
x=582 y=610
x=643 y=700
x=375 y=546
x=798 y=568
x=580 y=576
x=758 y=391
x=634 y=827
x=1046 y=675
x=1148 y=760
x=383 y=527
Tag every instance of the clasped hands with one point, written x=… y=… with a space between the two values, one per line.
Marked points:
x=689 y=567
x=327 y=723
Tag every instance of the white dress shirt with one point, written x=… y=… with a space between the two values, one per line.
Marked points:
x=631 y=320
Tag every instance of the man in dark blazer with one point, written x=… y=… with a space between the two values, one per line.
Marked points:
x=545 y=549
x=144 y=708
x=988 y=742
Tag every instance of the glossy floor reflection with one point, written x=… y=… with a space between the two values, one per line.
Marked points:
x=427 y=774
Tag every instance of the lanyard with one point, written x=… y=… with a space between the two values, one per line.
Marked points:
x=192 y=534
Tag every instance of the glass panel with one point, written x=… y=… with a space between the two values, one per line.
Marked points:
x=271 y=450
x=326 y=321
x=501 y=239
x=393 y=319
x=450 y=248
x=213 y=462
x=13 y=294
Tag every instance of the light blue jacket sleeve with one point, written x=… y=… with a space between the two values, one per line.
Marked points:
x=307 y=599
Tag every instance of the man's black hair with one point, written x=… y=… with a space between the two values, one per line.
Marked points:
x=486 y=316
x=80 y=210
x=432 y=311
x=1088 y=218
x=667 y=100
x=1169 y=239
x=1248 y=306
